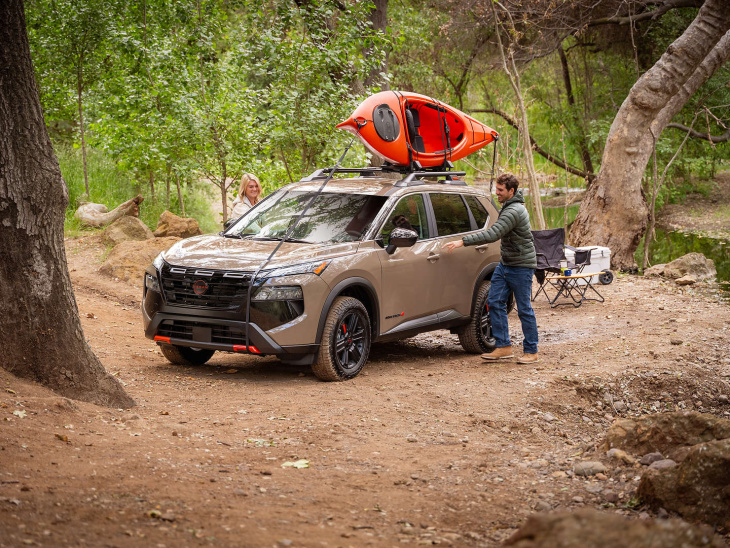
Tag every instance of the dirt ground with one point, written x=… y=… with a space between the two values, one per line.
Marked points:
x=429 y=445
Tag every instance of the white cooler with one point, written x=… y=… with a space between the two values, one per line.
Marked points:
x=600 y=260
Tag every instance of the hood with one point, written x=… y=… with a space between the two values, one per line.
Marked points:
x=218 y=253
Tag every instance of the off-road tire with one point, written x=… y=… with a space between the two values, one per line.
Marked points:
x=476 y=337
x=334 y=361
x=184 y=355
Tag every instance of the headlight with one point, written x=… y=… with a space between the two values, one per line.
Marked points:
x=151 y=283
x=316 y=267
x=279 y=293
x=158 y=262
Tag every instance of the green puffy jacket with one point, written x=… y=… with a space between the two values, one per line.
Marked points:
x=513 y=227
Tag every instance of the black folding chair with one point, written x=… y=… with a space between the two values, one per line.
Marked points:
x=550 y=249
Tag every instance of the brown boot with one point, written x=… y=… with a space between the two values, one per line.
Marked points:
x=529 y=358
x=502 y=353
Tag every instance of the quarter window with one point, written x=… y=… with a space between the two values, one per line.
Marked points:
x=477 y=210
x=451 y=214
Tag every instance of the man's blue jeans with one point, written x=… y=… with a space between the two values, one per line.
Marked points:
x=518 y=280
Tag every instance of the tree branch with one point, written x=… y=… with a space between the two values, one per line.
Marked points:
x=725 y=137
x=662 y=8
x=537 y=148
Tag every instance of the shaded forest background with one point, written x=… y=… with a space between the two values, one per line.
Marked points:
x=175 y=100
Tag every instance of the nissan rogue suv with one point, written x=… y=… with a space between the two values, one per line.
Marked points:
x=363 y=264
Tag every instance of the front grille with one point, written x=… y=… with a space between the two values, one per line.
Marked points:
x=226 y=289
x=201 y=332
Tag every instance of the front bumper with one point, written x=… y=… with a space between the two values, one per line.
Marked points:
x=221 y=330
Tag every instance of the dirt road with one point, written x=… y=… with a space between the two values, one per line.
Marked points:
x=427 y=446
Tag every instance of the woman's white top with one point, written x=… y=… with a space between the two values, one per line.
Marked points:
x=240 y=206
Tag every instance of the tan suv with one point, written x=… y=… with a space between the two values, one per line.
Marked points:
x=364 y=264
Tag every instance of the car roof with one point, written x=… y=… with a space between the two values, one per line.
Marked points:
x=381 y=186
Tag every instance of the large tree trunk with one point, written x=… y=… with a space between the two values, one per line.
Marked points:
x=614 y=213
x=39 y=321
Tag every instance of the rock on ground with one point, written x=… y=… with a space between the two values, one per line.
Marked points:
x=667 y=433
x=592 y=529
x=172 y=225
x=128 y=260
x=125 y=229
x=698 y=488
x=693 y=264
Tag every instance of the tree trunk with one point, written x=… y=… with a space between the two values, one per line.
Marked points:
x=79 y=94
x=524 y=130
x=179 y=195
x=39 y=321
x=582 y=144
x=614 y=213
x=379 y=19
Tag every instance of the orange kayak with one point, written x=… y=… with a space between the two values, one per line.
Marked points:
x=404 y=127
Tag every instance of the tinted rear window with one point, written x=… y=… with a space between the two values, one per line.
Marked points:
x=451 y=214
x=478 y=210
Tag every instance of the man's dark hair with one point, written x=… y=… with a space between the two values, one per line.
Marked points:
x=509 y=181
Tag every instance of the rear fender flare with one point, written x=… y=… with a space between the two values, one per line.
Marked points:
x=361 y=283
x=485 y=274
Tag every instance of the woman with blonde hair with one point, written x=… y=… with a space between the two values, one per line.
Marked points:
x=249 y=194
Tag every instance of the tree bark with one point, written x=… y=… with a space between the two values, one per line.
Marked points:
x=379 y=20
x=39 y=321
x=614 y=213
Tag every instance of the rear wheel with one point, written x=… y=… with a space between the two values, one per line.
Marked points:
x=476 y=337
x=184 y=355
x=345 y=345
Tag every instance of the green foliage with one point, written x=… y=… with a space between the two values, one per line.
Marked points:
x=113 y=186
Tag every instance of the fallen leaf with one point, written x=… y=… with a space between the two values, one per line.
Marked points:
x=91 y=315
x=231 y=371
x=10 y=391
x=62 y=437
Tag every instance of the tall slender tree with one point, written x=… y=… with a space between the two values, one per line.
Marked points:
x=39 y=320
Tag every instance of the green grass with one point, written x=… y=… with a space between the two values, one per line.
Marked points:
x=112 y=186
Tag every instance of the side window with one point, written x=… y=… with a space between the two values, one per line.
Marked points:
x=478 y=210
x=410 y=212
x=451 y=214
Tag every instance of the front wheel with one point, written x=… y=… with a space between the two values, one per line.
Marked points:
x=345 y=342
x=184 y=355
x=476 y=337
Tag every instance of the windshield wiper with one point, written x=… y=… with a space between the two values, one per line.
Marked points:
x=279 y=238
x=232 y=235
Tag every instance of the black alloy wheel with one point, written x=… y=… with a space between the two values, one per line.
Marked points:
x=485 y=325
x=350 y=342
x=345 y=344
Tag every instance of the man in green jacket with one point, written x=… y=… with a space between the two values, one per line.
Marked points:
x=513 y=273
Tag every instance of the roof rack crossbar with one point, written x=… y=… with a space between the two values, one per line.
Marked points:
x=410 y=179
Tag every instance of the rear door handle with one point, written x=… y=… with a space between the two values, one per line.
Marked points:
x=482 y=248
x=433 y=257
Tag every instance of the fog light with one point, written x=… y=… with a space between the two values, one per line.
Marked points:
x=279 y=293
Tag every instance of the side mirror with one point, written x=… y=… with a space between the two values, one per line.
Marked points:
x=401 y=237
x=228 y=223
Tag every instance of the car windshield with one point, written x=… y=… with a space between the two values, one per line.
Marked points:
x=332 y=217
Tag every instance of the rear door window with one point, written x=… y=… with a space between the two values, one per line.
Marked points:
x=477 y=210
x=451 y=214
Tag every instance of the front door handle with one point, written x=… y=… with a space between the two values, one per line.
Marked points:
x=433 y=257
